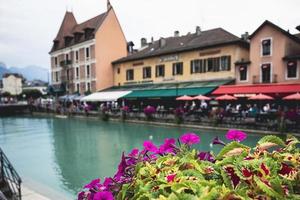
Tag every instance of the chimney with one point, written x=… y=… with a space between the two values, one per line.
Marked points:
x=108 y=5
x=245 y=36
x=130 y=47
x=162 y=42
x=143 y=42
x=198 y=30
x=176 y=33
x=298 y=28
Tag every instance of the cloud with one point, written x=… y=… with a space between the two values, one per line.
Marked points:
x=29 y=26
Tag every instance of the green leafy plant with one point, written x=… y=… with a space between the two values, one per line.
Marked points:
x=270 y=170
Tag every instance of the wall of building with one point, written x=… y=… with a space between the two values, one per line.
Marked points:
x=110 y=45
x=12 y=84
x=281 y=46
x=236 y=52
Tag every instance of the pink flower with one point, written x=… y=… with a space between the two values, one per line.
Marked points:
x=103 y=196
x=134 y=152
x=236 y=135
x=93 y=184
x=190 y=138
x=168 y=146
x=149 y=146
x=171 y=178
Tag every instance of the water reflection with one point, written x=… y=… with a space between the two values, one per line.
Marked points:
x=64 y=154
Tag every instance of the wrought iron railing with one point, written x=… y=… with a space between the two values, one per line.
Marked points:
x=10 y=177
x=258 y=80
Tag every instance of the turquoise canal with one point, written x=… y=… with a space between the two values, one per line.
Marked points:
x=58 y=156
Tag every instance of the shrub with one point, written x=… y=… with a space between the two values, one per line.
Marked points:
x=149 y=111
x=270 y=170
x=178 y=115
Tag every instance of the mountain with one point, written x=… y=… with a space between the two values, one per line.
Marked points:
x=3 y=69
x=31 y=72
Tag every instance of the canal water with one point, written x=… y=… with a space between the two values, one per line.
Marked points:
x=56 y=157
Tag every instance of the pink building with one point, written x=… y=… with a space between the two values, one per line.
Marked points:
x=82 y=53
x=273 y=65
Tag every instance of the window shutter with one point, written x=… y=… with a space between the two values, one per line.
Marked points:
x=229 y=62
x=173 y=71
x=192 y=71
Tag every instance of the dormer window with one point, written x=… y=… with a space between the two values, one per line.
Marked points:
x=88 y=33
x=68 y=40
x=77 y=37
x=55 y=44
x=266 y=47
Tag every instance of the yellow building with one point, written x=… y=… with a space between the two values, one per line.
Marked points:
x=191 y=64
x=202 y=56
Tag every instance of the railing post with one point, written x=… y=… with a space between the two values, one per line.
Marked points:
x=19 y=189
x=2 y=164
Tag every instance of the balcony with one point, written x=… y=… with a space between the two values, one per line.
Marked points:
x=65 y=63
x=257 y=79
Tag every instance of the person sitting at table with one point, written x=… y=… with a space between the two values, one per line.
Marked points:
x=253 y=111
x=291 y=115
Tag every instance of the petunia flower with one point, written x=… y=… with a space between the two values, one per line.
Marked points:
x=93 y=184
x=171 y=178
x=103 y=196
x=167 y=147
x=134 y=152
x=236 y=135
x=149 y=146
x=206 y=156
x=216 y=140
x=121 y=168
x=189 y=139
x=81 y=196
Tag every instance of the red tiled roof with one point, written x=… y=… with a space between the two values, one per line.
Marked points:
x=255 y=89
x=69 y=27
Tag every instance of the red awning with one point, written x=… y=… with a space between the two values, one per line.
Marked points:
x=256 y=89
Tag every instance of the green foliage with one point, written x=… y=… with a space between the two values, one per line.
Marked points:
x=257 y=174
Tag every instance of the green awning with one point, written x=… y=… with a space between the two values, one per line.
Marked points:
x=169 y=92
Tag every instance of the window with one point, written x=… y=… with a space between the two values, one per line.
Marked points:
x=77 y=72
x=147 y=72
x=76 y=55
x=292 y=69
x=55 y=60
x=225 y=63
x=266 y=73
x=67 y=57
x=129 y=75
x=160 y=71
x=88 y=88
x=77 y=87
x=118 y=70
x=243 y=73
x=213 y=64
x=68 y=75
x=266 y=47
x=56 y=76
x=198 y=66
x=178 y=68
x=87 y=71
x=87 y=52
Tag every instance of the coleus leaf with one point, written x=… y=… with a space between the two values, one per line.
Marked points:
x=267 y=189
x=269 y=141
x=233 y=148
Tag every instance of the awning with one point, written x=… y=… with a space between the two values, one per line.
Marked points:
x=155 y=93
x=255 y=89
x=105 y=96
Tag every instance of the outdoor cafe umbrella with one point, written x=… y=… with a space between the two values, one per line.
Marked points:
x=226 y=97
x=201 y=98
x=261 y=97
x=184 y=98
x=293 y=97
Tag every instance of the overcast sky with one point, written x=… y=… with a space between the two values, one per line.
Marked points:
x=28 y=27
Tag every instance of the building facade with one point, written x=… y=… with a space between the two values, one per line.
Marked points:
x=82 y=53
x=12 y=83
x=273 y=67
x=200 y=56
x=274 y=57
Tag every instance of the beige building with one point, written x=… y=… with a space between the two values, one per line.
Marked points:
x=82 y=53
x=12 y=83
x=200 y=56
x=273 y=67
